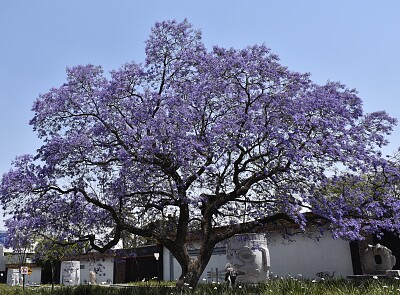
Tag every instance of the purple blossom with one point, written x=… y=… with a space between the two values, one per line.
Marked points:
x=194 y=139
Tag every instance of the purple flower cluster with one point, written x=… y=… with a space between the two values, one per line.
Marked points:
x=195 y=139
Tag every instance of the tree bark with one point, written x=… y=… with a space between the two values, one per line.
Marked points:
x=192 y=269
x=52 y=266
x=190 y=275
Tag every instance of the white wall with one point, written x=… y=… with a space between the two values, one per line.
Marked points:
x=2 y=259
x=33 y=279
x=103 y=267
x=70 y=273
x=307 y=257
x=302 y=255
x=216 y=265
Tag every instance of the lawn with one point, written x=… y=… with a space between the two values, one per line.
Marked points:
x=274 y=286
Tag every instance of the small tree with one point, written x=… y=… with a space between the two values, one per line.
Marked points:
x=186 y=142
x=20 y=238
x=52 y=252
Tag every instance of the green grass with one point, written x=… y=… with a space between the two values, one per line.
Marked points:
x=275 y=287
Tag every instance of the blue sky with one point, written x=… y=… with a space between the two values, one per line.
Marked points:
x=355 y=42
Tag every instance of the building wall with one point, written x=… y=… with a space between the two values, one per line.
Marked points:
x=32 y=279
x=214 y=271
x=2 y=259
x=119 y=270
x=103 y=267
x=137 y=264
x=307 y=257
x=299 y=255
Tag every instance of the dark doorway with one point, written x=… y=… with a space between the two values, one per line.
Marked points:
x=119 y=270
x=138 y=264
x=3 y=277
x=391 y=241
x=143 y=268
x=46 y=277
x=355 y=258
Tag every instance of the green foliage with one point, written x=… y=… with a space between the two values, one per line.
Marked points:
x=276 y=287
x=49 y=250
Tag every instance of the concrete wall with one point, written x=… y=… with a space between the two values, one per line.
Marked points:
x=214 y=271
x=14 y=277
x=307 y=257
x=299 y=255
x=103 y=267
x=2 y=259
x=70 y=273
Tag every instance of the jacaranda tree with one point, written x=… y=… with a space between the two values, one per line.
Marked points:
x=189 y=141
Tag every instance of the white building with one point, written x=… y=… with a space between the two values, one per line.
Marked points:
x=300 y=255
x=77 y=271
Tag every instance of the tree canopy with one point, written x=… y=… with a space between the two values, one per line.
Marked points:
x=190 y=140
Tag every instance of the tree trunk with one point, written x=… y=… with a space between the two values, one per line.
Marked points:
x=192 y=269
x=52 y=275
x=190 y=275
